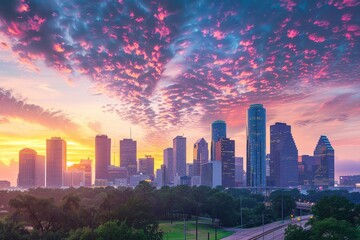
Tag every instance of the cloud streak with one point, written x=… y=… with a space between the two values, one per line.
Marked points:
x=14 y=107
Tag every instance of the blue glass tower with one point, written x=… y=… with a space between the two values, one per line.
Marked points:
x=256 y=146
x=218 y=131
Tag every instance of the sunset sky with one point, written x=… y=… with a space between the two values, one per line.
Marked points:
x=78 y=68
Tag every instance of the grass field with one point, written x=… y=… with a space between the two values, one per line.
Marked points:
x=175 y=231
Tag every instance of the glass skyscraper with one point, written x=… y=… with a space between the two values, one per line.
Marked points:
x=179 y=156
x=325 y=173
x=225 y=150
x=283 y=157
x=218 y=131
x=201 y=155
x=128 y=151
x=256 y=146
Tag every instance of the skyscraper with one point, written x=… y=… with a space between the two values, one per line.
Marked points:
x=40 y=171
x=201 y=155
x=26 y=176
x=225 y=152
x=307 y=168
x=256 y=146
x=55 y=162
x=239 y=172
x=169 y=165
x=218 y=130
x=179 y=156
x=102 y=156
x=283 y=156
x=128 y=155
x=146 y=165
x=325 y=174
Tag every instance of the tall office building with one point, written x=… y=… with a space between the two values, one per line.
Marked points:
x=201 y=155
x=256 y=146
x=146 y=165
x=55 y=162
x=179 y=156
x=325 y=174
x=102 y=156
x=225 y=152
x=128 y=155
x=239 y=172
x=211 y=174
x=307 y=168
x=27 y=161
x=40 y=171
x=169 y=165
x=283 y=156
x=85 y=167
x=218 y=131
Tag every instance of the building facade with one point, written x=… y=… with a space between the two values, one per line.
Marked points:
x=325 y=175
x=55 y=162
x=102 y=156
x=256 y=146
x=200 y=155
x=225 y=152
x=146 y=166
x=169 y=165
x=283 y=157
x=307 y=169
x=40 y=171
x=179 y=156
x=211 y=174
x=85 y=167
x=27 y=161
x=218 y=131
x=128 y=155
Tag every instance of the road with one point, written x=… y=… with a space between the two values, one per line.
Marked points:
x=274 y=230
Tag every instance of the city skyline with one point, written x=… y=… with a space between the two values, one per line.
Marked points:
x=165 y=69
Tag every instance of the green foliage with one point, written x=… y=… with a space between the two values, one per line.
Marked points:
x=337 y=207
x=113 y=230
x=282 y=203
x=330 y=228
x=295 y=232
x=11 y=230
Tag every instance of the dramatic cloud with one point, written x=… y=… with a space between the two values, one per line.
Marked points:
x=13 y=107
x=172 y=63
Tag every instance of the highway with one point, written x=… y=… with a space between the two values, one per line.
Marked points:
x=271 y=231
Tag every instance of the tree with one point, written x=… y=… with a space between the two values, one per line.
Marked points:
x=295 y=232
x=330 y=228
x=41 y=213
x=11 y=230
x=337 y=207
x=113 y=230
x=282 y=205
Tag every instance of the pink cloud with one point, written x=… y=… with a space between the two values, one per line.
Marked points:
x=292 y=33
x=219 y=35
x=353 y=28
x=315 y=38
x=322 y=23
x=346 y=17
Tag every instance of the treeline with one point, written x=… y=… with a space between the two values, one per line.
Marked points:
x=335 y=217
x=87 y=213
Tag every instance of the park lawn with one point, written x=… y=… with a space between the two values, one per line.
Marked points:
x=175 y=231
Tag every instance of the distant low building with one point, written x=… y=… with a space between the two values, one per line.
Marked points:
x=4 y=184
x=135 y=179
x=349 y=181
x=74 y=179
